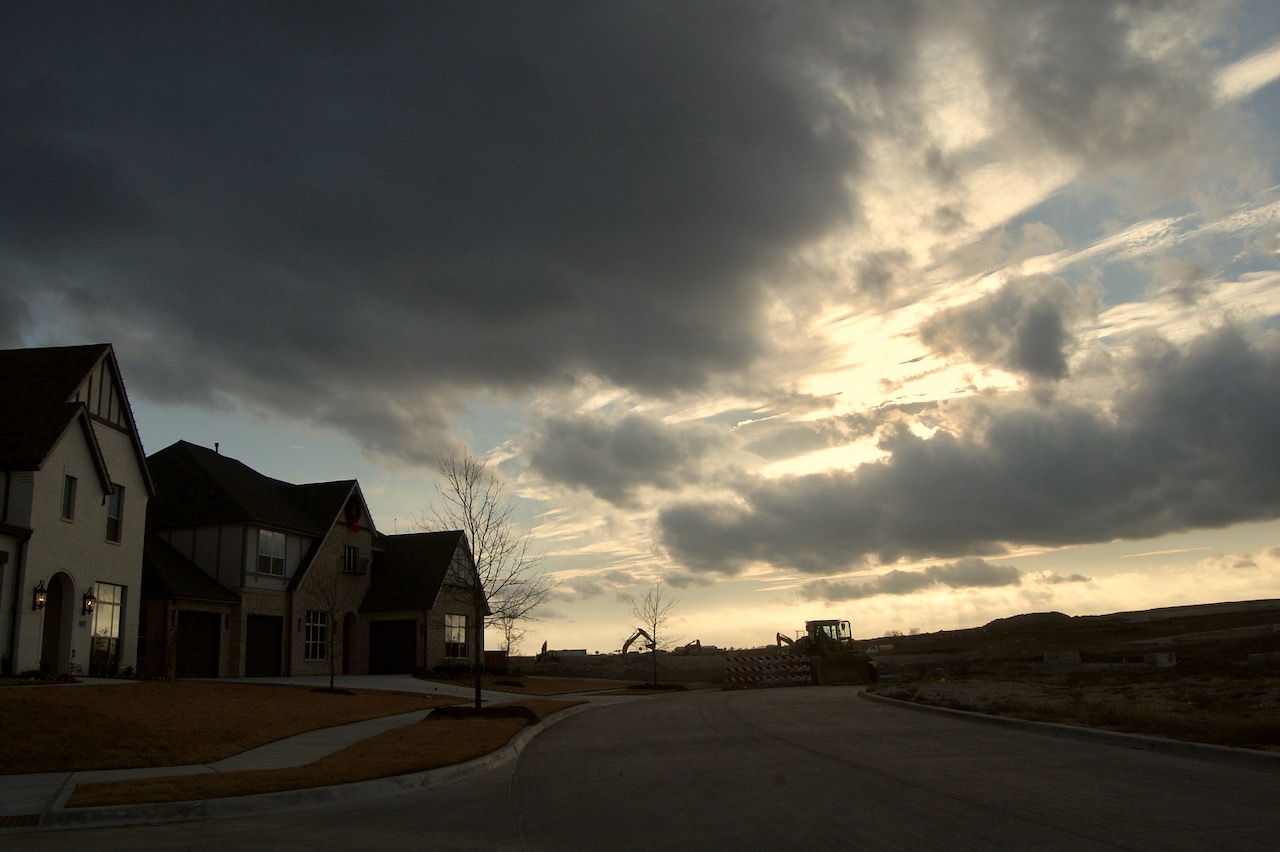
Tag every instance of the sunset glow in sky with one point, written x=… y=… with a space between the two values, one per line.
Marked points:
x=918 y=314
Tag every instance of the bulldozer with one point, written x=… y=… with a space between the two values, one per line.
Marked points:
x=833 y=657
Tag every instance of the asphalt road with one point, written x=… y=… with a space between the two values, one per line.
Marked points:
x=778 y=769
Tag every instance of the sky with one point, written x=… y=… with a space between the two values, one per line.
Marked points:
x=916 y=314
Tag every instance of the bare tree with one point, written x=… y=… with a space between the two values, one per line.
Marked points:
x=512 y=581
x=653 y=611
x=512 y=634
x=335 y=595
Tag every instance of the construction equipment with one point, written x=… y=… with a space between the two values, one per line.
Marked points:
x=640 y=632
x=831 y=642
x=821 y=639
x=690 y=649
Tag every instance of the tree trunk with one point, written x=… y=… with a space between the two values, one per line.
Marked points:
x=478 y=655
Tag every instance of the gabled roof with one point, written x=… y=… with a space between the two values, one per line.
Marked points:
x=38 y=389
x=197 y=486
x=166 y=573
x=411 y=570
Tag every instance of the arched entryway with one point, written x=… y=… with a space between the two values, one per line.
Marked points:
x=55 y=641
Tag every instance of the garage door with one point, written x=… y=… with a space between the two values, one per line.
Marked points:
x=263 y=634
x=198 y=640
x=393 y=647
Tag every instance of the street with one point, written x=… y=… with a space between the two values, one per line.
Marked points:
x=812 y=768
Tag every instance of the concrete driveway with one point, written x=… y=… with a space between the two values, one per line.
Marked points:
x=804 y=768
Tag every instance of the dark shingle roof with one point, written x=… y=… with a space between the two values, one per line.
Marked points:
x=410 y=570
x=36 y=391
x=166 y=573
x=196 y=486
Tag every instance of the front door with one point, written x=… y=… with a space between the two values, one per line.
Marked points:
x=57 y=615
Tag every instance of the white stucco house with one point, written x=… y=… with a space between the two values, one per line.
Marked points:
x=74 y=488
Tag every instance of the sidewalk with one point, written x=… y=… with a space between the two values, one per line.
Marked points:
x=38 y=800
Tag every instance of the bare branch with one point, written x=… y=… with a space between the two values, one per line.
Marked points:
x=472 y=498
x=653 y=611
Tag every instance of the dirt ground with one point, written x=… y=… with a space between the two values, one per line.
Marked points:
x=1241 y=710
x=1224 y=686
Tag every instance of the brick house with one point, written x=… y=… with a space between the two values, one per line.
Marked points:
x=74 y=489
x=246 y=575
x=423 y=587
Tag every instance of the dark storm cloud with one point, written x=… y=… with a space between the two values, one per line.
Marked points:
x=1083 y=80
x=306 y=208
x=1025 y=327
x=962 y=574
x=424 y=196
x=614 y=458
x=1191 y=442
x=685 y=579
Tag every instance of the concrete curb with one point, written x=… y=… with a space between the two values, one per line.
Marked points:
x=58 y=817
x=1244 y=757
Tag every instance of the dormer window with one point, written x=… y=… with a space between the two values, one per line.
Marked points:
x=271 y=550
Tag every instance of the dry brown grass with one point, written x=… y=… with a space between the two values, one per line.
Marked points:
x=158 y=723
x=1238 y=709
x=430 y=744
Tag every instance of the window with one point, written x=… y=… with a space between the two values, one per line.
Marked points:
x=115 y=512
x=271 y=547
x=68 y=498
x=315 y=637
x=455 y=636
x=104 y=650
x=351 y=562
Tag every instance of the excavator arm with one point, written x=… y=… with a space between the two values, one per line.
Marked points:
x=640 y=631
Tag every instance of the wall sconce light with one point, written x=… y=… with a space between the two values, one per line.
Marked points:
x=88 y=601
x=40 y=596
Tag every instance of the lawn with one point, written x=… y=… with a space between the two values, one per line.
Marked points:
x=429 y=744
x=64 y=728
x=158 y=723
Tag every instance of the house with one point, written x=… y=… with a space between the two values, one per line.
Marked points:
x=421 y=608
x=251 y=576
x=74 y=489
